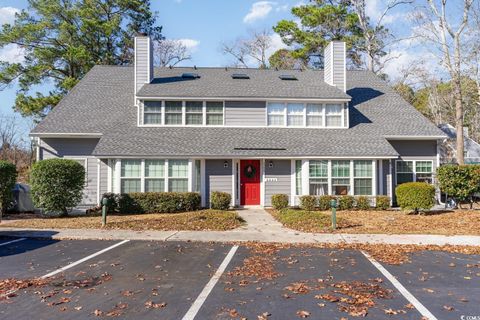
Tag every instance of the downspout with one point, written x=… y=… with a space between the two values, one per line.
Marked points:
x=439 y=193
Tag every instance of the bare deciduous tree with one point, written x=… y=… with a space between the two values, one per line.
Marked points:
x=170 y=52
x=252 y=50
x=444 y=33
x=375 y=34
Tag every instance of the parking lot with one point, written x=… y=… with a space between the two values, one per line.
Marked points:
x=186 y=280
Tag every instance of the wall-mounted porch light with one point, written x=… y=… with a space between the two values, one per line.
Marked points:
x=270 y=164
x=225 y=164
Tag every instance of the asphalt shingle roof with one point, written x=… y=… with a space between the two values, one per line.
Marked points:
x=103 y=102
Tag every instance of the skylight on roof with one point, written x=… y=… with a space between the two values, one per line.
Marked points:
x=288 y=77
x=190 y=76
x=240 y=76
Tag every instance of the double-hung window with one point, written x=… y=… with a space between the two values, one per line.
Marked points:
x=214 y=113
x=414 y=170
x=314 y=115
x=173 y=112
x=362 y=177
x=295 y=114
x=178 y=175
x=423 y=171
x=276 y=114
x=130 y=176
x=154 y=175
x=152 y=112
x=334 y=115
x=341 y=177
x=405 y=172
x=194 y=112
x=318 y=177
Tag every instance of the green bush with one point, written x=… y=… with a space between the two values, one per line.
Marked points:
x=220 y=200
x=415 y=196
x=460 y=182
x=324 y=202
x=382 y=202
x=279 y=201
x=308 y=203
x=153 y=202
x=57 y=184
x=8 y=177
x=345 y=202
x=363 y=203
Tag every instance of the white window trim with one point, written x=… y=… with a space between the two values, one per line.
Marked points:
x=372 y=177
x=184 y=114
x=304 y=125
x=310 y=177
x=414 y=169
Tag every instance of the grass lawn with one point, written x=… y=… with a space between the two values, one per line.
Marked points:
x=197 y=220
x=458 y=222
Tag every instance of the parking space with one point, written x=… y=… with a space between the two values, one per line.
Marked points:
x=165 y=280
x=445 y=283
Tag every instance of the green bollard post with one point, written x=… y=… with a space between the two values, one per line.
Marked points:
x=104 y=211
x=333 y=205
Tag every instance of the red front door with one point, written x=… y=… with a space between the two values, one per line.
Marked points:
x=250 y=182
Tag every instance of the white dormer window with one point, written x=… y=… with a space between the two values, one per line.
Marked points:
x=312 y=115
x=194 y=112
x=334 y=115
x=295 y=114
x=152 y=112
x=173 y=112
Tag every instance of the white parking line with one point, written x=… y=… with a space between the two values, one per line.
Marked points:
x=417 y=304
x=13 y=241
x=71 y=265
x=192 y=312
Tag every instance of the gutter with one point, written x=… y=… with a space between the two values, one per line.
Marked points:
x=65 y=135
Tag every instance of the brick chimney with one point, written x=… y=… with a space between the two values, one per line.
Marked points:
x=335 y=68
x=143 y=61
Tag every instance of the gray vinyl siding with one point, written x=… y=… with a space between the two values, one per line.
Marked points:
x=281 y=172
x=245 y=113
x=218 y=178
x=143 y=59
x=346 y=117
x=76 y=148
x=335 y=64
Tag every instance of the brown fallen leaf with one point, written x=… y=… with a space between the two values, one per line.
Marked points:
x=98 y=313
x=151 y=304
x=390 y=311
x=264 y=316
x=303 y=314
x=448 y=308
x=409 y=306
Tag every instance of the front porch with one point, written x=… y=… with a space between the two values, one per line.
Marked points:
x=252 y=182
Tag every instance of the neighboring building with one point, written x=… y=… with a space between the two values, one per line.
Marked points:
x=249 y=132
x=448 y=149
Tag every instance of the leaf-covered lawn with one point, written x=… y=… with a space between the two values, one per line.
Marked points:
x=458 y=222
x=198 y=220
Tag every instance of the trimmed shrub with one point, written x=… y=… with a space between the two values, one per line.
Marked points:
x=308 y=203
x=382 y=202
x=346 y=202
x=57 y=184
x=8 y=177
x=460 y=182
x=363 y=203
x=279 y=201
x=415 y=196
x=153 y=202
x=220 y=200
x=324 y=202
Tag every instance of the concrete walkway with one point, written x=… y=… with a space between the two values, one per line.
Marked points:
x=260 y=227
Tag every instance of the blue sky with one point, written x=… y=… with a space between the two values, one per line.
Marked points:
x=203 y=24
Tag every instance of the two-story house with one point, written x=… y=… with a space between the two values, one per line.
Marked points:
x=249 y=132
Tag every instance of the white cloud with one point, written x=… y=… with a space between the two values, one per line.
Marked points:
x=282 y=8
x=259 y=10
x=374 y=10
x=7 y=15
x=191 y=44
x=12 y=53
